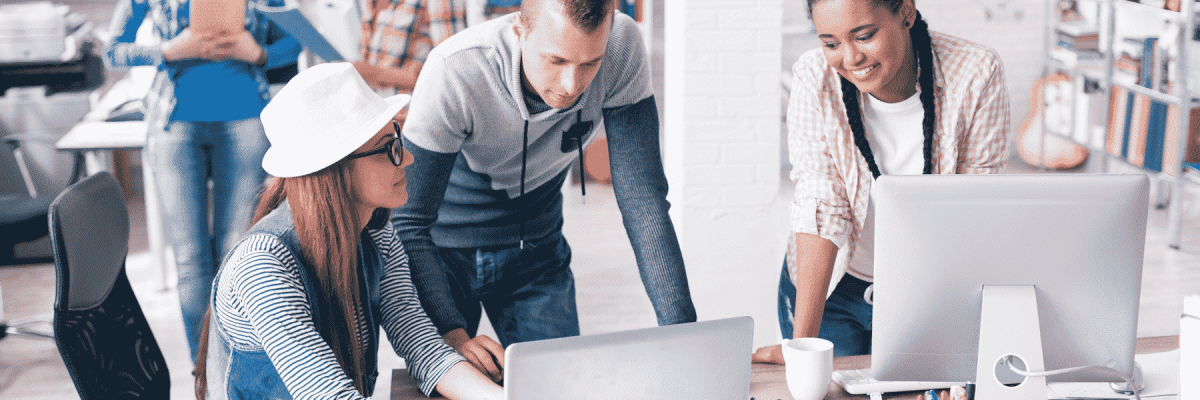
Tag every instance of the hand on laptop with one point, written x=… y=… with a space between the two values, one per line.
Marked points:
x=481 y=351
x=769 y=354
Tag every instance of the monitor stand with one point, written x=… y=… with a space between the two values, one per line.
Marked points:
x=1009 y=326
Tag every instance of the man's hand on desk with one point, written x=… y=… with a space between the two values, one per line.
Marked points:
x=481 y=351
x=769 y=354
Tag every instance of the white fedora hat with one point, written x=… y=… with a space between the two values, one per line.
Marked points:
x=321 y=116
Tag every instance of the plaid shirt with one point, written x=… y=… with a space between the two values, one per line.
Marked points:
x=396 y=32
x=833 y=182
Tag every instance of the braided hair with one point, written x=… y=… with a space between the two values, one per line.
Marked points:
x=923 y=49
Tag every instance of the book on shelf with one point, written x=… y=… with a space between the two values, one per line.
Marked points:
x=1135 y=131
x=1170 y=153
x=1129 y=46
x=1155 y=136
x=1128 y=63
x=1078 y=28
x=1071 y=58
x=1148 y=141
x=1076 y=45
x=1130 y=114
x=1118 y=119
x=1143 y=131
x=1079 y=37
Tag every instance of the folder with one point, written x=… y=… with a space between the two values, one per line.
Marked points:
x=295 y=24
x=211 y=16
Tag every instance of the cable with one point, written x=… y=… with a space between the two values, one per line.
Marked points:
x=1008 y=360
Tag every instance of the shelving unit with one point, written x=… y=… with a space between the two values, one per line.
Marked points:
x=1181 y=25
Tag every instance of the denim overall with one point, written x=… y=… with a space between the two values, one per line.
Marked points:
x=238 y=374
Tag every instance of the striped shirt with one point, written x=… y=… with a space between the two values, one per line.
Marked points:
x=833 y=182
x=261 y=305
x=398 y=32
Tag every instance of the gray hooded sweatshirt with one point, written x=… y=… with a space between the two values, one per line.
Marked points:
x=489 y=163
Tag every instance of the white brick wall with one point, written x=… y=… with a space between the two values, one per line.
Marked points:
x=727 y=77
x=722 y=151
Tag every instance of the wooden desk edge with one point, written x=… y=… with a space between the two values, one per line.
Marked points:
x=766 y=380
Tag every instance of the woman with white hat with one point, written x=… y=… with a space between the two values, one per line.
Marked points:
x=297 y=305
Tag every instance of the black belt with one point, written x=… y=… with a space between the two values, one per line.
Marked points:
x=853 y=285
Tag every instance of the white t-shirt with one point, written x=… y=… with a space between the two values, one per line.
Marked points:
x=896 y=137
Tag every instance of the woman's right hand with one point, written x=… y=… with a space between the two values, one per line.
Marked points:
x=768 y=355
x=183 y=46
x=465 y=382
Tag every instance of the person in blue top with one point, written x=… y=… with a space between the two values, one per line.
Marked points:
x=500 y=111
x=202 y=112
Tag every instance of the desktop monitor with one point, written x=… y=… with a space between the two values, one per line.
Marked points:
x=1076 y=241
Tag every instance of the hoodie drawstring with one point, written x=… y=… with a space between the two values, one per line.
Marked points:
x=524 y=161
x=579 y=147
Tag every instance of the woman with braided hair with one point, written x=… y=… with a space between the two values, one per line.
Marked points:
x=883 y=95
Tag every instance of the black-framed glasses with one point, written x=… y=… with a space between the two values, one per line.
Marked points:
x=394 y=148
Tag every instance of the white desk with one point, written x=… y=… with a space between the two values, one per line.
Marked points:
x=93 y=138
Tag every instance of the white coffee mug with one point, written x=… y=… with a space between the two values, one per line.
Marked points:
x=809 y=367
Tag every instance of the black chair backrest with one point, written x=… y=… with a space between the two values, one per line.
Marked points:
x=100 y=329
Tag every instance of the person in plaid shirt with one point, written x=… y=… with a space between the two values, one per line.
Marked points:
x=863 y=105
x=398 y=34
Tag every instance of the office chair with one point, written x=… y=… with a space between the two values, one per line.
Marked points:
x=23 y=218
x=100 y=329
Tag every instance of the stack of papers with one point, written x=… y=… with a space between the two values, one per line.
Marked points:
x=105 y=135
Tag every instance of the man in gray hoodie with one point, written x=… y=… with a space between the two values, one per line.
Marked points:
x=499 y=113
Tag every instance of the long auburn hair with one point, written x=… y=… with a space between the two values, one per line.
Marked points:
x=323 y=209
x=923 y=49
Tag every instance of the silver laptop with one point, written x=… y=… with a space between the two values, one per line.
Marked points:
x=700 y=360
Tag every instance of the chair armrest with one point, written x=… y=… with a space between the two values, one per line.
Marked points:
x=16 y=140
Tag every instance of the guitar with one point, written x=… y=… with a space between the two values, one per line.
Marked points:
x=1060 y=152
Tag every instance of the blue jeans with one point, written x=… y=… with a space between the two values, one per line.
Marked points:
x=184 y=158
x=847 y=318
x=529 y=293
